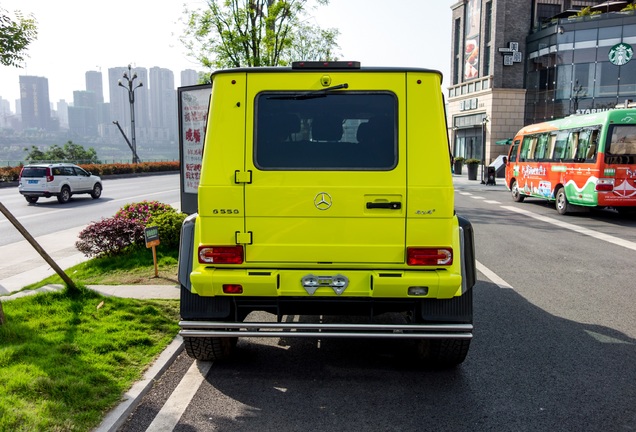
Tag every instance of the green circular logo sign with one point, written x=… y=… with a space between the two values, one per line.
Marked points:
x=620 y=54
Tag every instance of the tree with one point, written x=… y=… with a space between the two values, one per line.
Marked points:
x=15 y=37
x=239 y=33
x=70 y=152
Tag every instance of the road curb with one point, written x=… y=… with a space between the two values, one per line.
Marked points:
x=131 y=399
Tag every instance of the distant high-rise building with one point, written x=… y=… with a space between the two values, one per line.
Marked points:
x=163 y=104
x=5 y=112
x=189 y=77
x=95 y=85
x=62 y=113
x=82 y=116
x=34 y=101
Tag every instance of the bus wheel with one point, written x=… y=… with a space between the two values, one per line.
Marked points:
x=516 y=194
x=562 y=205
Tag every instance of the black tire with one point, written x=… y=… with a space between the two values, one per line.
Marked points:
x=442 y=353
x=31 y=199
x=516 y=193
x=210 y=348
x=97 y=191
x=65 y=195
x=561 y=202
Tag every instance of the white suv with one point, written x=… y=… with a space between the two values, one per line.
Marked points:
x=61 y=180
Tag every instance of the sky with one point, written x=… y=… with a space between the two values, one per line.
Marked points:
x=75 y=36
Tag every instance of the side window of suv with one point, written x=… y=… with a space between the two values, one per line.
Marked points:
x=80 y=172
x=68 y=171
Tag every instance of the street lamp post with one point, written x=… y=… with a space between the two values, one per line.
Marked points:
x=483 y=147
x=131 y=87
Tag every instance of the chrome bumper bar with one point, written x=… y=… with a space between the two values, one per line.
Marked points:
x=319 y=330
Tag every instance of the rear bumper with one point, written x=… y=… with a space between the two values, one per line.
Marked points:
x=45 y=194
x=325 y=330
x=360 y=283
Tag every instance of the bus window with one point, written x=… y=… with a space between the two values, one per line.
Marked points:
x=570 y=148
x=512 y=156
x=623 y=140
x=542 y=147
x=586 y=148
x=560 y=145
x=590 y=156
x=548 y=153
x=525 y=149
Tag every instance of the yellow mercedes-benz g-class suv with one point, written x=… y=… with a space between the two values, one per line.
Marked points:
x=326 y=190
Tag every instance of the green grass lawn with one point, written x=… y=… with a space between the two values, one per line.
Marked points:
x=66 y=357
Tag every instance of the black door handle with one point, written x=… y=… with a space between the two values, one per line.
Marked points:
x=385 y=205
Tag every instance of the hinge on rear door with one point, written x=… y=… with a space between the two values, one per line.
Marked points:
x=243 y=238
x=243 y=177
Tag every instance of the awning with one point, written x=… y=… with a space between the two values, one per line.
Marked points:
x=609 y=6
x=504 y=142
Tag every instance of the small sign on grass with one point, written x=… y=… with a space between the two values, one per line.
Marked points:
x=152 y=240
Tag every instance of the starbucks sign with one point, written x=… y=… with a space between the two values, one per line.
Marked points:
x=620 y=54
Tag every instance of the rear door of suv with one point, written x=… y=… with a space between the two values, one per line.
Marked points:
x=327 y=171
x=33 y=179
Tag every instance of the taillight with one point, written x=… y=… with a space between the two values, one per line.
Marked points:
x=416 y=256
x=232 y=289
x=604 y=185
x=49 y=175
x=221 y=254
x=20 y=176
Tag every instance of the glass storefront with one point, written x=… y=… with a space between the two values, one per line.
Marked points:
x=570 y=69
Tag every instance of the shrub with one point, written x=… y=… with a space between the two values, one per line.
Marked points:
x=169 y=225
x=9 y=174
x=112 y=236
x=142 y=211
x=109 y=236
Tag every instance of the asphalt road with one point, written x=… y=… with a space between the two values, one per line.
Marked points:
x=56 y=226
x=554 y=347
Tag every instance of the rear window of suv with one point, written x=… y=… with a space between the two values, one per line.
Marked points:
x=326 y=131
x=34 y=172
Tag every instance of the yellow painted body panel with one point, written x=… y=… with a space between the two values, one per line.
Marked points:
x=290 y=236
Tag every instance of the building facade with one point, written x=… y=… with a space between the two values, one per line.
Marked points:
x=580 y=64
x=517 y=62
x=34 y=103
x=163 y=105
x=189 y=77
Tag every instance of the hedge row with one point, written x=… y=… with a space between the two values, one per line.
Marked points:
x=9 y=174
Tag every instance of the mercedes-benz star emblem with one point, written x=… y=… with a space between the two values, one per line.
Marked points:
x=322 y=201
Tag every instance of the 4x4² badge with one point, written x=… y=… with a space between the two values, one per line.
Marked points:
x=322 y=201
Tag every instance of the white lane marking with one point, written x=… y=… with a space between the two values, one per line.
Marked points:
x=585 y=231
x=478 y=197
x=492 y=276
x=464 y=193
x=175 y=406
x=492 y=202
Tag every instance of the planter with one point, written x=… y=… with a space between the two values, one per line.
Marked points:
x=457 y=167
x=472 y=171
